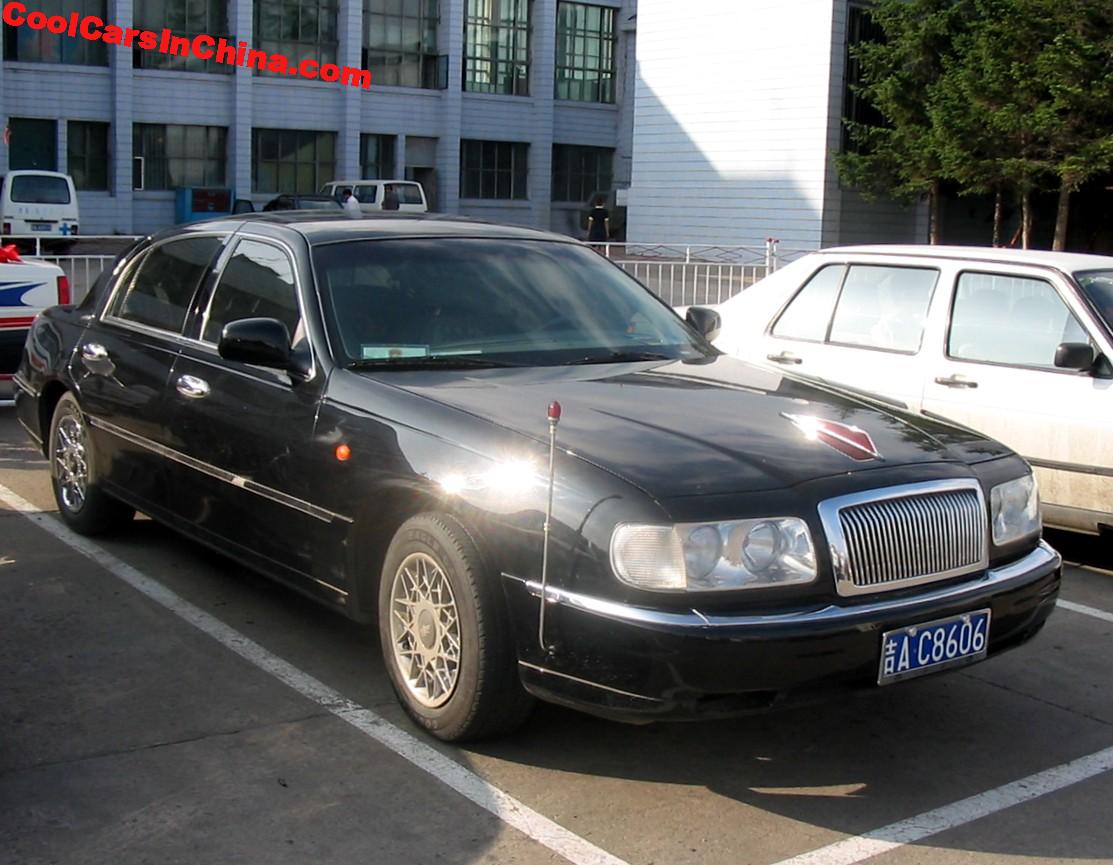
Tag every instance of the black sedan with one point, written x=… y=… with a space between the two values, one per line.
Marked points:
x=531 y=474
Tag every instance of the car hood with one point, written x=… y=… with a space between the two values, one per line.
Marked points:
x=677 y=428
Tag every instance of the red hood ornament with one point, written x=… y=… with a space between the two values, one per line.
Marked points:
x=850 y=441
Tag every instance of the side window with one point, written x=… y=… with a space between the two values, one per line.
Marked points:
x=809 y=313
x=884 y=307
x=1013 y=320
x=162 y=290
x=367 y=194
x=257 y=282
x=408 y=194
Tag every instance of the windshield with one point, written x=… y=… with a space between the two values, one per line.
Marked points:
x=474 y=302
x=1097 y=285
x=39 y=189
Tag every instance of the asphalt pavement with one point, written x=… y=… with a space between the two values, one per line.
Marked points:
x=160 y=704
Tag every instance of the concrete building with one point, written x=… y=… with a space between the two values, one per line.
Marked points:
x=737 y=115
x=512 y=110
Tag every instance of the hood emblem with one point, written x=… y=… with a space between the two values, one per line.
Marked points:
x=850 y=441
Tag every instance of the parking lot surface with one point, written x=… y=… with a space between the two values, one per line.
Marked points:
x=160 y=704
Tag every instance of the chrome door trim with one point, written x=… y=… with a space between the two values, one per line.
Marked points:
x=238 y=481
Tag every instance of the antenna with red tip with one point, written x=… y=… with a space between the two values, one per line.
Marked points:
x=554 y=419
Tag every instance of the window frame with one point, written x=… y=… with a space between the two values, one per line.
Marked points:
x=583 y=36
x=213 y=25
x=848 y=266
x=222 y=262
x=86 y=127
x=297 y=50
x=1047 y=280
x=495 y=24
x=381 y=139
x=109 y=313
x=574 y=150
x=85 y=47
x=141 y=153
x=428 y=59
x=514 y=153
x=318 y=173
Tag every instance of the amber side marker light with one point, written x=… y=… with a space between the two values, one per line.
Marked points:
x=343 y=453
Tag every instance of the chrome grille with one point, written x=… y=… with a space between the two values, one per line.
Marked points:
x=903 y=536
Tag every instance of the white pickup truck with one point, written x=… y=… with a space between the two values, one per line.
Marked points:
x=26 y=289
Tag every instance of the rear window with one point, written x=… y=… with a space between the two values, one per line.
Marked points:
x=32 y=189
x=409 y=194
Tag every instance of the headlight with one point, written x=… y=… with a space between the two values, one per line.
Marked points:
x=1015 y=510
x=741 y=554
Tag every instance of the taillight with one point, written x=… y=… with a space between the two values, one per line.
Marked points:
x=63 y=290
x=7 y=228
x=73 y=229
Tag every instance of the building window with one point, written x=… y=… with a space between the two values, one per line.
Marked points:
x=170 y=156
x=496 y=46
x=860 y=27
x=579 y=172
x=87 y=154
x=292 y=160
x=23 y=43
x=34 y=144
x=299 y=29
x=376 y=157
x=400 y=42
x=585 y=49
x=494 y=169
x=188 y=20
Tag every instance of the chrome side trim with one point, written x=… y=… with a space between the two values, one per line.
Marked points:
x=1075 y=468
x=547 y=672
x=24 y=386
x=1040 y=561
x=881 y=538
x=300 y=505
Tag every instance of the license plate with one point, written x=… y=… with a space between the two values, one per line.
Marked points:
x=932 y=646
x=41 y=226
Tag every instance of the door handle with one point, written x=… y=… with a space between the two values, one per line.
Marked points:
x=192 y=387
x=959 y=381
x=784 y=357
x=94 y=351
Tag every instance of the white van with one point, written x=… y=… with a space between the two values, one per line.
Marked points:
x=370 y=194
x=38 y=204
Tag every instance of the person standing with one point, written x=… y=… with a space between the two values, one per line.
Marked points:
x=351 y=205
x=390 y=197
x=599 y=225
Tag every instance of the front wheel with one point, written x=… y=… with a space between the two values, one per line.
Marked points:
x=445 y=635
x=84 y=506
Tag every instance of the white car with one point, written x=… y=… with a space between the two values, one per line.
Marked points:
x=1015 y=344
x=26 y=289
x=371 y=193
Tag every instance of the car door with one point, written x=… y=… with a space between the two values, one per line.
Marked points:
x=995 y=371
x=124 y=360
x=246 y=430
x=859 y=323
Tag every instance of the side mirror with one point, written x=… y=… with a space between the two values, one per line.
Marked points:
x=705 y=320
x=258 y=341
x=1075 y=355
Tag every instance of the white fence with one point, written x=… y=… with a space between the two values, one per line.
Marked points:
x=698 y=274
x=681 y=274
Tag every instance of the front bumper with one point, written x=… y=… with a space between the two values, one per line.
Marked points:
x=642 y=664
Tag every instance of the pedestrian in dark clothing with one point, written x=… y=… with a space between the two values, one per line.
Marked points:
x=390 y=198
x=599 y=225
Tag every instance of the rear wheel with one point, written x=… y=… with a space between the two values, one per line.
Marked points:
x=84 y=506
x=445 y=634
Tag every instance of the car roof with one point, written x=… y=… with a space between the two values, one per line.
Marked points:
x=319 y=227
x=1065 y=261
x=22 y=172
x=365 y=182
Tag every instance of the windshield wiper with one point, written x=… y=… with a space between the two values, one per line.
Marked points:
x=434 y=362
x=619 y=357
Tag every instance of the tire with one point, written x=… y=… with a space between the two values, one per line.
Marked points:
x=456 y=676
x=84 y=506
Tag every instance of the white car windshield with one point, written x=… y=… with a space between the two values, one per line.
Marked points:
x=1098 y=288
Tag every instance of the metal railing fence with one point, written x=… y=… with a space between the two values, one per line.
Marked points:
x=82 y=258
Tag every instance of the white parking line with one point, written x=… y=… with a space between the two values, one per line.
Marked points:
x=862 y=847
x=1084 y=610
x=465 y=782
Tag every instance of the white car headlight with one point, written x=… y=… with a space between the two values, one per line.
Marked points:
x=1015 y=510
x=700 y=557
